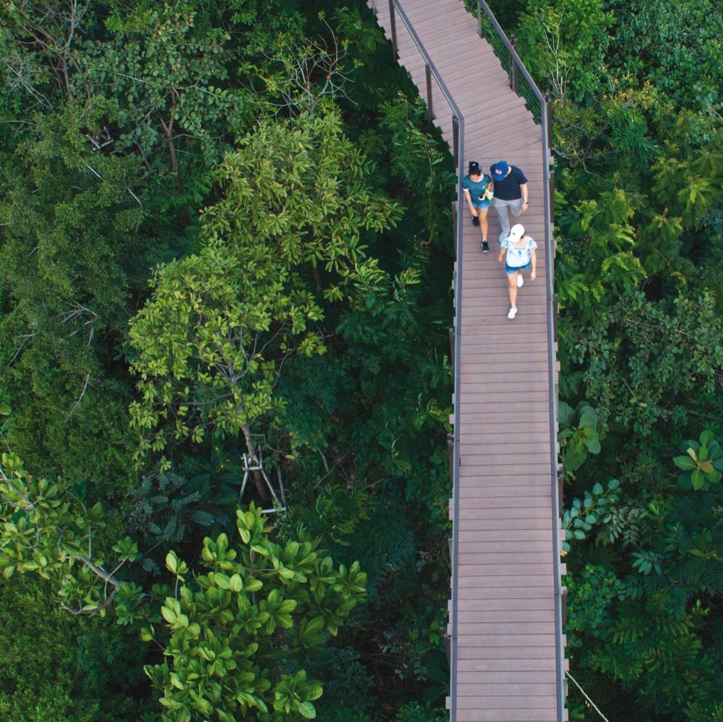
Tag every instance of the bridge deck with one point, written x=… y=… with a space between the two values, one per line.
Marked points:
x=505 y=661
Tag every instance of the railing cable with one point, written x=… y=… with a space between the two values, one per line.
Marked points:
x=593 y=705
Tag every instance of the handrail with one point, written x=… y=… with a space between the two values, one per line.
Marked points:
x=517 y=66
x=427 y=59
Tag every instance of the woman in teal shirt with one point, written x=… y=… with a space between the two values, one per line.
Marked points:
x=477 y=189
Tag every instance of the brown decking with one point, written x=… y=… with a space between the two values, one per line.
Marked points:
x=505 y=658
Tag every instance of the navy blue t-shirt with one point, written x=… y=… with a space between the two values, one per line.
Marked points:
x=508 y=189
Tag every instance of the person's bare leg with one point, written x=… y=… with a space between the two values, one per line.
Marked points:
x=484 y=225
x=512 y=281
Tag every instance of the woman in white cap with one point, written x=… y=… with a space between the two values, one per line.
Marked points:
x=521 y=256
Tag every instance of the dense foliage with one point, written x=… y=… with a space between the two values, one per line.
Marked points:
x=204 y=282
x=638 y=135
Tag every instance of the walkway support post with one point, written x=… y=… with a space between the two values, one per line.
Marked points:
x=513 y=64
x=430 y=109
x=393 y=26
x=455 y=134
x=451 y=348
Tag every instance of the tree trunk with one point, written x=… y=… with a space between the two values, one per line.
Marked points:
x=258 y=479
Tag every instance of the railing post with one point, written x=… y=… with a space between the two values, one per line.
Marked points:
x=455 y=137
x=479 y=18
x=451 y=347
x=513 y=64
x=552 y=196
x=430 y=108
x=393 y=26
x=450 y=449
x=374 y=7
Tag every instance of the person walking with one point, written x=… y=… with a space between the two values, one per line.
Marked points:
x=521 y=255
x=477 y=189
x=510 y=192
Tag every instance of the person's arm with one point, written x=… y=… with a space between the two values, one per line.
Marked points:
x=502 y=254
x=472 y=209
x=525 y=197
x=534 y=266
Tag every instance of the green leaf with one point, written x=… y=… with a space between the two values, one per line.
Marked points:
x=588 y=418
x=573 y=461
x=714 y=476
x=169 y=615
x=565 y=414
x=593 y=445
x=685 y=463
x=253 y=585
x=315 y=625
x=698 y=479
x=315 y=692
x=307 y=710
x=236 y=583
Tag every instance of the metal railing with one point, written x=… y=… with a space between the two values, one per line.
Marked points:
x=539 y=106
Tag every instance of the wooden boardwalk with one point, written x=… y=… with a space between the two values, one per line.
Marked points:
x=505 y=658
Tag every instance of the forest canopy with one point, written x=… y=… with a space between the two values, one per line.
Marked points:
x=225 y=259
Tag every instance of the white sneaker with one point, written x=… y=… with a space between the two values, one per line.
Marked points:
x=520 y=281
x=512 y=313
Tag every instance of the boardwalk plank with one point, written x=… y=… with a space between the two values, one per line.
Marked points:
x=506 y=715
x=513 y=591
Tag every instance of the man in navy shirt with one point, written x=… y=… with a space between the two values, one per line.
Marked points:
x=510 y=193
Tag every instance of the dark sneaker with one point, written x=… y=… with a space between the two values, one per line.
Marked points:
x=475 y=221
x=485 y=247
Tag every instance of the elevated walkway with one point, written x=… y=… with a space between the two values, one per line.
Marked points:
x=506 y=652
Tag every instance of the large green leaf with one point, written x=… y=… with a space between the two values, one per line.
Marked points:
x=698 y=479
x=588 y=418
x=307 y=710
x=685 y=463
x=565 y=414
